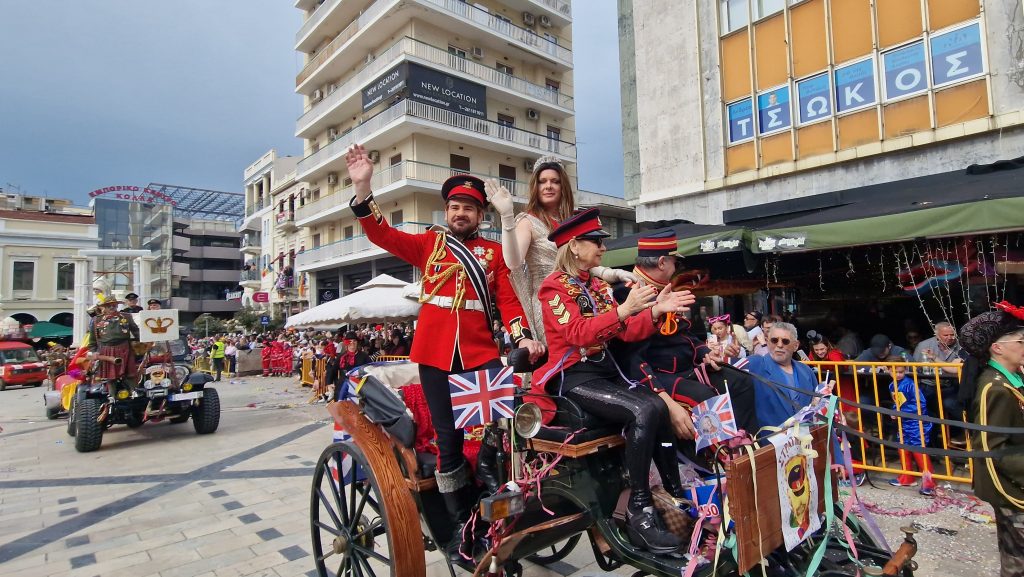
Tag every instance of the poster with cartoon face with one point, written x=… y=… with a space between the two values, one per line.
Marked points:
x=798 y=485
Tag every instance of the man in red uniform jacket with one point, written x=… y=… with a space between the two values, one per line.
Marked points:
x=454 y=330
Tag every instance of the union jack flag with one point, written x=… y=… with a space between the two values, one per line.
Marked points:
x=479 y=397
x=715 y=421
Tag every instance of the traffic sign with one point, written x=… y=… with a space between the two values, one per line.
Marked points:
x=265 y=320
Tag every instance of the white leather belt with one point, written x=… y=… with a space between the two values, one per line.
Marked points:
x=446 y=303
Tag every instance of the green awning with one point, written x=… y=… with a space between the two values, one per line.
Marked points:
x=47 y=330
x=984 y=216
x=693 y=239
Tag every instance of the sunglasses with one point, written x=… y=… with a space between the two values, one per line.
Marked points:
x=597 y=241
x=775 y=340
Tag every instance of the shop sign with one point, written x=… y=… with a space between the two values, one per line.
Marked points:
x=957 y=55
x=708 y=246
x=773 y=112
x=814 y=99
x=905 y=71
x=325 y=295
x=741 y=120
x=261 y=297
x=855 y=85
x=385 y=86
x=770 y=243
x=436 y=88
x=233 y=296
x=134 y=194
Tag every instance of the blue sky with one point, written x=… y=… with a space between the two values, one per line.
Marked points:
x=105 y=92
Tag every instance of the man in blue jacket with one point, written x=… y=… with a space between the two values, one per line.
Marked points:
x=776 y=404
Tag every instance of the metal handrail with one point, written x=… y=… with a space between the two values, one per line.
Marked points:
x=405 y=170
x=410 y=46
x=316 y=18
x=358 y=244
x=538 y=142
x=373 y=11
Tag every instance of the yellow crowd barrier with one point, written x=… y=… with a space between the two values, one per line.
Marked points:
x=202 y=365
x=871 y=384
x=313 y=371
x=383 y=358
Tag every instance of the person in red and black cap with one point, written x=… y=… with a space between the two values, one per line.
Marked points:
x=463 y=273
x=678 y=360
x=581 y=318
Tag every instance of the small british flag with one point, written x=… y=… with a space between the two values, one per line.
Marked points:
x=479 y=397
x=715 y=421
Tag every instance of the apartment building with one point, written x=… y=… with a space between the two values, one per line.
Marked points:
x=39 y=263
x=431 y=88
x=797 y=100
x=271 y=240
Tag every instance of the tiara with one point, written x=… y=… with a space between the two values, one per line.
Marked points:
x=548 y=159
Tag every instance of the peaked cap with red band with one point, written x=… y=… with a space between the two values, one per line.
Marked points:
x=583 y=224
x=465 y=185
x=662 y=243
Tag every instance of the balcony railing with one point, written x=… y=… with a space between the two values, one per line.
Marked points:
x=254 y=208
x=251 y=240
x=359 y=244
x=504 y=28
x=481 y=17
x=285 y=217
x=538 y=142
x=560 y=6
x=250 y=275
x=317 y=17
x=433 y=55
x=372 y=12
x=406 y=170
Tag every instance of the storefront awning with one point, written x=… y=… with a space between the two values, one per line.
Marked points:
x=982 y=199
x=693 y=239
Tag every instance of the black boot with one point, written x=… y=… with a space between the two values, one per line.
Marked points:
x=459 y=497
x=668 y=468
x=487 y=459
x=644 y=527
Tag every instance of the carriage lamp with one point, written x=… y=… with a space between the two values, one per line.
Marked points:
x=502 y=505
x=527 y=420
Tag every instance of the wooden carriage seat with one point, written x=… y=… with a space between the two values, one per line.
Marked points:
x=591 y=433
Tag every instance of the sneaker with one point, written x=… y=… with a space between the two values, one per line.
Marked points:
x=858 y=479
x=927 y=491
x=644 y=531
x=896 y=483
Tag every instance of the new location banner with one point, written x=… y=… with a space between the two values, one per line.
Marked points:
x=429 y=86
x=385 y=86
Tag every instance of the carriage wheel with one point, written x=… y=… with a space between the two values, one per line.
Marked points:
x=556 y=552
x=348 y=518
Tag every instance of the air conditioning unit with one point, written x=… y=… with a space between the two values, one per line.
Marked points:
x=528 y=165
x=369 y=57
x=545 y=21
x=332 y=178
x=318 y=95
x=331 y=88
x=529 y=19
x=374 y=156
x=332 y=134
x=532 y=114
x=477 y=52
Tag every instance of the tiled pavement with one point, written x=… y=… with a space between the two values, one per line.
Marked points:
x=163 y=501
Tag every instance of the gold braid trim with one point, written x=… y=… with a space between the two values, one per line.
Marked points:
x=448 y=269
x=989 y=462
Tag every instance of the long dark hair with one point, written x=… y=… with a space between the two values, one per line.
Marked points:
x=567 y=203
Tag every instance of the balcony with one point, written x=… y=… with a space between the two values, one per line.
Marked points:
x=359 y=249
x=318 y=116
x=408 y=117
x=250 y=278
x=286 y=221
x=252 y=214
x=251 y=244
x=557 y=7
x=405 y=176
x=498 y=33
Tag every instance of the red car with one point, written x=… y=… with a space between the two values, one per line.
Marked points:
x=20 y=365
